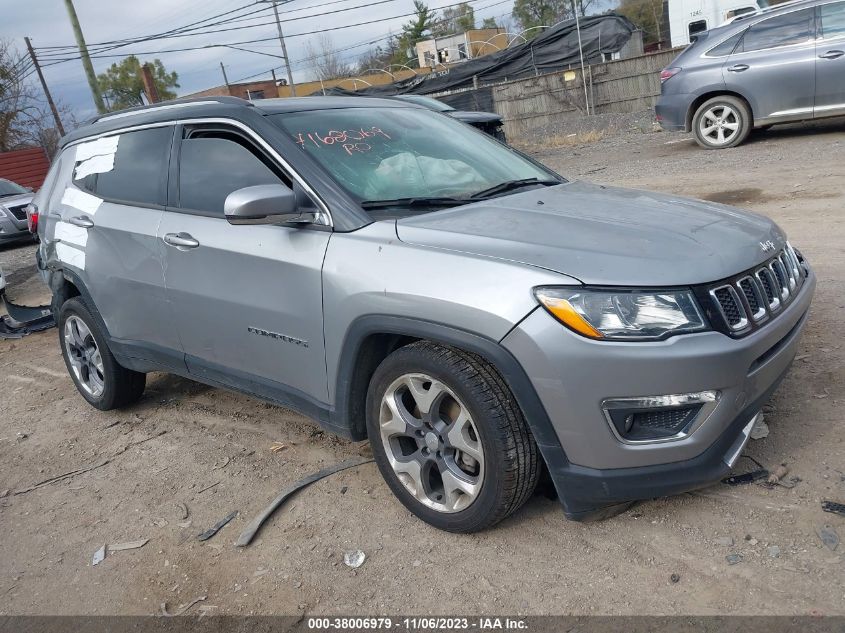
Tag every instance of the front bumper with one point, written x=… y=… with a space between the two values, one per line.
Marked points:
x=572 y=375
x=671 y=111
x=11 y=230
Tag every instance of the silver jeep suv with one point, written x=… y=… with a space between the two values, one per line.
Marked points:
x=779 y=65
x=404 y=278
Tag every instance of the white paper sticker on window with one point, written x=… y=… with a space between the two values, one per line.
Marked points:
x=100 y=147
x=95 y=157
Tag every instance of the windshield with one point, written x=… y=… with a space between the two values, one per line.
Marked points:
x=427 y=102
x=383 y=154
x=8 y=188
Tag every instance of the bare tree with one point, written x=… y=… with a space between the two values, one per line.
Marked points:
x=325 y=61
x=25 y=119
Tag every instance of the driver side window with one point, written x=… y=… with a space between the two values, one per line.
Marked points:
x=215 y=162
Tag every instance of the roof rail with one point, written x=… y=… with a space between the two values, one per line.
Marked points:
x=766 y=10
x=174 y=103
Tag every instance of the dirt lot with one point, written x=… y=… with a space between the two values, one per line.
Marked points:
x=210 y=450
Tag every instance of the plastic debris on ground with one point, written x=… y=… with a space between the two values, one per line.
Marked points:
x=354 y=559
x=99 y=556
x=23 y=320
x=760 y=429
x=829 y=537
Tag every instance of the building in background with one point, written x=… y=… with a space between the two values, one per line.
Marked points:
x=461 y=47
x=265 y=89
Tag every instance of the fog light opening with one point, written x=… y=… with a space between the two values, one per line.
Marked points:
x=654 y=419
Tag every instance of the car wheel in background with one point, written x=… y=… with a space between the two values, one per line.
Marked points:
x=722 y=122
x=96 y=373
x=449 y=438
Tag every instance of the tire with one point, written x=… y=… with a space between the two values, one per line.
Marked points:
x=722 y=122
x=98 y=377
x=449 y=437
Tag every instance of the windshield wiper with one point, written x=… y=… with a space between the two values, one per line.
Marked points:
x=510 y=185
x=413 y=202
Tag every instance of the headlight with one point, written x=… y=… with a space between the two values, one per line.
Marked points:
x=621 y=314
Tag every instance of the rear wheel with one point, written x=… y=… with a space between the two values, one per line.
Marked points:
x=449 y=439
x=722 y=122
x=98 y=377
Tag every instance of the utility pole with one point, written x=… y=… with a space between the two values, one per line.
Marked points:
x=581 y=53
x=225 y=78
x=284 y=49
x=59 y=126
x=149 y=85
x=86 y=60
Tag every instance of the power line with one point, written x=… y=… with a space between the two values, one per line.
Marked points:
x=300 y=62
x=185 y=30
x=267 y=39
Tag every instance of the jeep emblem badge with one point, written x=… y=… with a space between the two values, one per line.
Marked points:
x=767 y=246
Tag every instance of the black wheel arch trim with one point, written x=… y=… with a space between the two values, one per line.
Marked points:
x=504 y=362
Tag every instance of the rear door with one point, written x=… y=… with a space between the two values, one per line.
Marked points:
x=247 y=298
x=830 y=60
x=774 y=67
x=107 y=234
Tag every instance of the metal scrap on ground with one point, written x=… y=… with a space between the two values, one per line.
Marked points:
x=180 y=610
x=119 y=547
x=216 y=527
x=252 y=529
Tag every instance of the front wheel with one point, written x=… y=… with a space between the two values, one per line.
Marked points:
x=722 y=122
x=449 y=438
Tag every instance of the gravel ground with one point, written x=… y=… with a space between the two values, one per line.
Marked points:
x=209 y=450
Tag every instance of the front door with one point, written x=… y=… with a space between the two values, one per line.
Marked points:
x=774 y=67
x=830 y=60
x=248 y=298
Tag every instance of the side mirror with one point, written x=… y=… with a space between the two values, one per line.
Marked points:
x=263 y=204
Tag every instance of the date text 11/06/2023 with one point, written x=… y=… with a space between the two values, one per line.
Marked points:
x=350 y=140
x=422 y=623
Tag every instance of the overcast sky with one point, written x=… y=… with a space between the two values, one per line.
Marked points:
x=46 y=23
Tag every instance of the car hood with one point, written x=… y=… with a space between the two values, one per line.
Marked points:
x=602 y=235
x=475 y=117
x=16 y=200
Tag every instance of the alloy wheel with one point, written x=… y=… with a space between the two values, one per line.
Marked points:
x=719 y=125
x=431 y=442
x=84 y=356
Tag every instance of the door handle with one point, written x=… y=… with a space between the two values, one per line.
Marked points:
x=180 y=240
x=738 y=68
x=831 y=54
x=81 y=220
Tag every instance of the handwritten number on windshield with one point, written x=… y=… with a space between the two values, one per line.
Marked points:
x=349 y=140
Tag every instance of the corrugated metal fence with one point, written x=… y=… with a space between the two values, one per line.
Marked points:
x=27 y=167
x=627 y=85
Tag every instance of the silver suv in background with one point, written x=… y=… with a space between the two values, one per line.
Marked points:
x=778 y=65
x=404 y=278
x=13 y=222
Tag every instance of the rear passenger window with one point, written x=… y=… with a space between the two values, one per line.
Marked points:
x=140 y=168
x=727 y=47
x=833 y=20
x=782 y=30
x=214 y=164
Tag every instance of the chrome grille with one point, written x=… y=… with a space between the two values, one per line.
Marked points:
x=758 y=295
